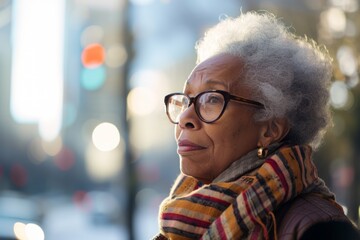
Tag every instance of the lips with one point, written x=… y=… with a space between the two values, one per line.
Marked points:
x=186 y=146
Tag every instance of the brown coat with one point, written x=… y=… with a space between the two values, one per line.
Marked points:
x=306 y=211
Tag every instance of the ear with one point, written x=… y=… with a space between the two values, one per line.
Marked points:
x=273 y=130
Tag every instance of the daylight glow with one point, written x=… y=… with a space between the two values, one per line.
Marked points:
x=37 y=64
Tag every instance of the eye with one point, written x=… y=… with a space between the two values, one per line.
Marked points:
x=213 y=98
x=185 y=101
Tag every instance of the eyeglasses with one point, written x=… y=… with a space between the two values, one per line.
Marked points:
x=209 y=105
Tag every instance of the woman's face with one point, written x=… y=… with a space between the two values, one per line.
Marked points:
x=206 y=150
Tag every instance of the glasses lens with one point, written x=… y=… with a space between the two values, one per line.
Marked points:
x=210 y=105
x=176 y=105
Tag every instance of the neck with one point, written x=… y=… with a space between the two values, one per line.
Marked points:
x=244 y=165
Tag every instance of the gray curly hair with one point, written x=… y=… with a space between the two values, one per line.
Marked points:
x=290 y=75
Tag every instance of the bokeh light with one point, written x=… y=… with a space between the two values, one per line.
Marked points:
x=343 y=176
x=149 y=88
x=34 y=232
x=53 y=147
x=93 y=78
x=116 y=56
x=347 y=60
x=106 y=137
x=93 y=55
x=18 y=175
x=141 y=101
x=335 y=20
x=81 y=199
x=65 y=159
x=92 y=34
x=19 y=230
x=338 y=94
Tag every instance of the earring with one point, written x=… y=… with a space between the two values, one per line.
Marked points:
x=262 y=152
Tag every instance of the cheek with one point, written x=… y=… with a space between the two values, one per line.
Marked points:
x=238 y=137
x=246 y=135
x=224 y=139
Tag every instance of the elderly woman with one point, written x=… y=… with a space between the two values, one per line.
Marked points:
x=250 y=114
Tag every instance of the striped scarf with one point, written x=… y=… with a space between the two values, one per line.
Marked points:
x=241 y=208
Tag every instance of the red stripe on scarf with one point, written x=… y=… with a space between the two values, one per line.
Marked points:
x=187 y=220
x=279 y=173
x=253 y=218
x=249 y=212
x=220 y=229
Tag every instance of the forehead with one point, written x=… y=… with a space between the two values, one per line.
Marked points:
x=223 y=71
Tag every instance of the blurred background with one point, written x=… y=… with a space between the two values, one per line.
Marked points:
x=86 y=150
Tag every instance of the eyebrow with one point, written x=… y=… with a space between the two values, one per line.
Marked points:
x=211 y=82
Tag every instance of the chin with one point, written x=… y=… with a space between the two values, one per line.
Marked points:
x=194 y=170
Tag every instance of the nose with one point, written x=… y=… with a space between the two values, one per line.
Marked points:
x=189 y=119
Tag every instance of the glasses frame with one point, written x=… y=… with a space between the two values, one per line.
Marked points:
x=193 y=100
